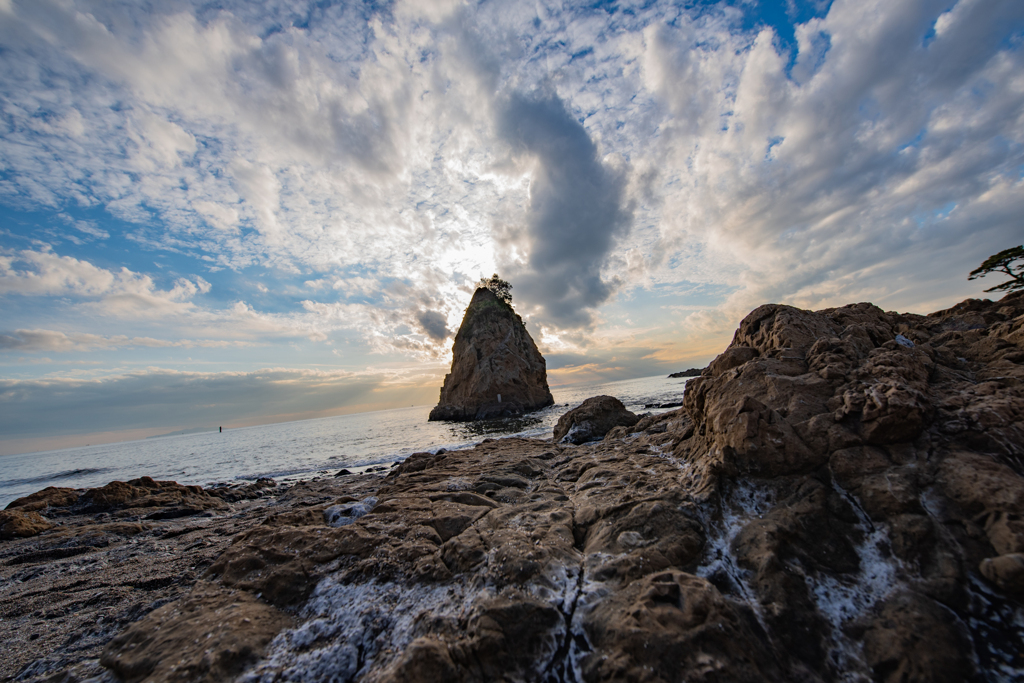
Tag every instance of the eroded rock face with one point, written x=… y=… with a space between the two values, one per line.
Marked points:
x=85 y=577
x=592 y=419
x=497 y=370
x=233 y=627
x=839 y=499
x=19 y=524
x=900 y=438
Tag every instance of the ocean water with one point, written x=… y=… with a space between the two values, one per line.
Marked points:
x=290 y=451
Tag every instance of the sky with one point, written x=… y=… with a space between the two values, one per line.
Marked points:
x=233 y=213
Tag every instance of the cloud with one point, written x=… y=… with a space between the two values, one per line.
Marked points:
x=835 y=186
x=88 y=291
x=388 y=327
x=55 y=341
x=166 y=399
x=575 y=212
x=123 y=294
x=47 y=274
x=88 y=228
x=272 y=114
x=51 y=340
x=434 y=324
x=389 y=158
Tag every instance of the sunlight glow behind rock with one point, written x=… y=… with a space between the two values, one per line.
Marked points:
x=284 y=184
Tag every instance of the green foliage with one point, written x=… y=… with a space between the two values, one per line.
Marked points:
x=501 y=288
x=1002 y=263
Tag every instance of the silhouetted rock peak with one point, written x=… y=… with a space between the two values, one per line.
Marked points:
x=497 y=370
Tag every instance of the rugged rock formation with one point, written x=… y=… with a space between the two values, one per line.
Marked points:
x=497 y=370
x=50 y=497
x=18 y=524
x=592 y=419
x=168 y=497
x=82 y=577
x=839 y=499
x=233 y=626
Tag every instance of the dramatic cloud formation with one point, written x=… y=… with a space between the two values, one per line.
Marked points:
x=575 y=211
x=123 y=293
x=319 y=187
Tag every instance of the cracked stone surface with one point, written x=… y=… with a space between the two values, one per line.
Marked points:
x=68 y=590
x=840 y=498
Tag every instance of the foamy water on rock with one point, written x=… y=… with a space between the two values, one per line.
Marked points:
x=297 y=450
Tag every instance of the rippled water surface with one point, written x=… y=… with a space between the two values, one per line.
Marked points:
x=294 y=450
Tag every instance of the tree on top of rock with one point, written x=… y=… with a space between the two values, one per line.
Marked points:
x=501 y=288
x=1002 y=263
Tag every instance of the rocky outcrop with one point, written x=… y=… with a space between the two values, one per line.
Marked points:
x=692 y=372
x=592 y=419
x=144 y=497
x=19 y=524
x=80 y=588
x=164 y=498
x=41 y=501
x=839 y=499
x=233 y=626
x=497 y=370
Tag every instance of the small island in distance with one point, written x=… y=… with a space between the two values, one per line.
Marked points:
x=692 y=372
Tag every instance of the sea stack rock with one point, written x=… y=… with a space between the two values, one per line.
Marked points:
x=497 y=370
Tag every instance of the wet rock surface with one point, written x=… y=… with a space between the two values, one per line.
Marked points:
x=839 y=499
x=497 y=370
x=71 y=587
x=592 y=420
x=233 y=627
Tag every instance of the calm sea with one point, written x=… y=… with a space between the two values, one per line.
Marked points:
x=299 y=450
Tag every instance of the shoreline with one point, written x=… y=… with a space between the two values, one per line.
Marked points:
x=282 y=479
x=397 y=441
x=835 y=487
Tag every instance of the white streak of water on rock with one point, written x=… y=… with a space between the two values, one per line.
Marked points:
x=347 y=626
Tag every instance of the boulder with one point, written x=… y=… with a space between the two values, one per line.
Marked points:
x=592 y=419
x=914 y=639
x=497 y=370
x=672 y=621
x=174 y=499
x=50 y=497
x=18 y=524
x=1006 y=572
x=232 y=626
